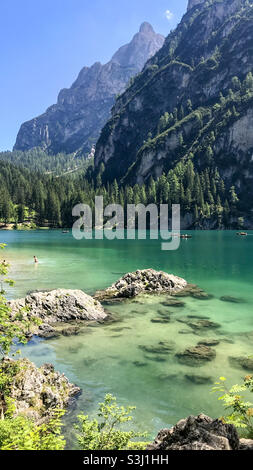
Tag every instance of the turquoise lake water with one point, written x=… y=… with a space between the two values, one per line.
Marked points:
x=106 y=359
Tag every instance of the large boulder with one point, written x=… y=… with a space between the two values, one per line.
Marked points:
x=197 y=433
x=142 y=281
x=59 y=307
x=35 y=392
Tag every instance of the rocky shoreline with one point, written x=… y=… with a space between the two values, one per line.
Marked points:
x=200 y=433
x=35 y=392
x=38 y=392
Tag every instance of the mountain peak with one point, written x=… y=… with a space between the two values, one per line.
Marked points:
x=146 y=28
x=81 y=111
x=142 y=47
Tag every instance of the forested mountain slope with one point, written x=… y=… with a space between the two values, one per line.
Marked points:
x=193 y=101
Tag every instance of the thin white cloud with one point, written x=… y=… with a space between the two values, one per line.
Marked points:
x=169 y=15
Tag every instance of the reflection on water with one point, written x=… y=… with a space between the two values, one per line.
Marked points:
x=135 y=357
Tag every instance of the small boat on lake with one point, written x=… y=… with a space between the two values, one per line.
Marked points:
x=242 y=234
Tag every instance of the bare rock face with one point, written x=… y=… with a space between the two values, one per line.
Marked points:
x=193 y=3
x=197 y=433
x=74 y=123
x=142 y=281
x=60 y=306
x=36 y=392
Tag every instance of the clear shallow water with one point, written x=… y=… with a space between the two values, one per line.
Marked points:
x=104 y=358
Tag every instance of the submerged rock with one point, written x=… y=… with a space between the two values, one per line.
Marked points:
x=155 y=358
x=173 y=303
x=198 y=323
x=142 y=281
x=161 y=320
x=197 y=433
x=164 y=347
x=140 y=364
x=199 y=379
x=198 y=317
x=170 y=377
x=242 y=362
x=58 y=307
x=233 y=300
x=196 y=356
x=203 y=324
x=192 y=290
x=36 y=392
x=209 y=342
x=202 y=296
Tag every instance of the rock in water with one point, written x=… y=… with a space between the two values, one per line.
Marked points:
x=196 y=356
x=232 y=300
x=242 y=362
x=145 y=281
x=209 y=342
x=59 y=306
x=197 y=433
x=199 y=379
x=37 y=392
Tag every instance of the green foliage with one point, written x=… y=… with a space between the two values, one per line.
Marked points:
x=103 y=433
x=37 y=160
x=21 y=433
x=233 y=399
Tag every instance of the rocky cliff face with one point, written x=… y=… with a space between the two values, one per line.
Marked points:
x=193 y=3
x=183 y=84
x=81 y=111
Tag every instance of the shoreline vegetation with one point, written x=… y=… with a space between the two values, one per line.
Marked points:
x=33 y=400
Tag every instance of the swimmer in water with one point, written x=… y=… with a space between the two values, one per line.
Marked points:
x=35 y=259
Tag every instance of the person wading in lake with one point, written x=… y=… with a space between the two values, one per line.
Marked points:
x=35 y=259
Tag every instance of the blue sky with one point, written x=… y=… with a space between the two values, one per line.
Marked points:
x=45 y=43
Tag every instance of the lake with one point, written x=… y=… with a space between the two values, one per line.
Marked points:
x=108 y=358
